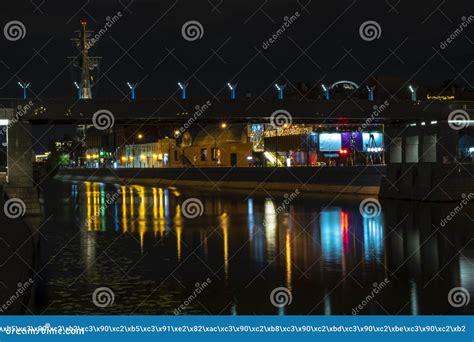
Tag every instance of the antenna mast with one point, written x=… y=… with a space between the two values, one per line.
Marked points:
x=85 y=61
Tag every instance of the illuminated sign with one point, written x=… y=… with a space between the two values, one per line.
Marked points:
x=330 y=142
x=293 y=130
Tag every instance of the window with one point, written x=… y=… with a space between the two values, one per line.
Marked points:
x=215 y=153
x=203 y=154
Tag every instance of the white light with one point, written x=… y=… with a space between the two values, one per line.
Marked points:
x=180 y=85
x=21 y=85
x=423 y=123
x=434 y=122
x=129 y=85
x=277 y=86
x=324 y=87
x=249 y=157
x=3 y=122
x=230 y=86
x=413 y=124
x=411 y=89
x=471 y=149
x=77 y=85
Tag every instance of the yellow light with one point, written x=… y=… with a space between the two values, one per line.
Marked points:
x=142 y=156
x=140 y=136
x=160 y=156
x=88 y=156
x=176 y=133
x=223 y=125
x=124 y=158
x=155 y=156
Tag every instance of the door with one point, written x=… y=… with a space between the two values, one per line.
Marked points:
x=233 y=159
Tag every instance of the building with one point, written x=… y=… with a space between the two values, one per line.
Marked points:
x=163 y=153
x=220 y=146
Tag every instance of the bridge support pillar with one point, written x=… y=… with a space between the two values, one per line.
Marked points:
x=20 y=184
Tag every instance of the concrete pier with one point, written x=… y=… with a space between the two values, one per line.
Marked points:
x=19 y=181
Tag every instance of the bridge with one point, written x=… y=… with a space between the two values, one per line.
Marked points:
x=422 y=143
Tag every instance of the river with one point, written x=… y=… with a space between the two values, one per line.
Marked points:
x=325 y=256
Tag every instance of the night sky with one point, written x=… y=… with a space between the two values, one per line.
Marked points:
x=146 y=45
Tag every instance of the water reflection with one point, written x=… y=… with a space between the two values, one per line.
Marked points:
x=136 y=239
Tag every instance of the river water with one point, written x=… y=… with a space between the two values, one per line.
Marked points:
x=324 y=255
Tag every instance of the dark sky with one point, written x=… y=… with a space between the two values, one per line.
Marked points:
x=146 y=44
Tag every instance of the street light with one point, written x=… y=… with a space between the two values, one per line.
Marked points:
x=79 y=96
x=413 y=90
x=183 y=90
x=326 y=90
x=24 y=86
x=371 y=92
x=280 y=89
x=132 y=87
x=232 y=88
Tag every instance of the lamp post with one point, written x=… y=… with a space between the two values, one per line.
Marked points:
x=78 y=90
x=326 y=90
x=232 y=88
x=183 y=87
x=413 y=91
x=132 y=87
x=280 y=89
x=24 y=86
x=371 y=92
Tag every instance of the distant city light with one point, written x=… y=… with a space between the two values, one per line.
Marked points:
x=223 y=125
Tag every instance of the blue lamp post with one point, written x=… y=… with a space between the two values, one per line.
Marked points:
x=132 y=87
x=232 y=88
x=326 y=90
x=183 y=90
x=79 y=96
x=413 y=90
x=24 y=86
x=371 y=92
x=280 y=89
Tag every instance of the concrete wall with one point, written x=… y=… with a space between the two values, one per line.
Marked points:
x=348 y=180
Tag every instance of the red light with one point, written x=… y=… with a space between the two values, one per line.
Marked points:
x=343 y=151
x=83 y=22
